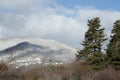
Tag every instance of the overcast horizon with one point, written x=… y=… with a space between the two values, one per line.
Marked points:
x=61 y=20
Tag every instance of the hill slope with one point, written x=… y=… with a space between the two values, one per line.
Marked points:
x=27 y=51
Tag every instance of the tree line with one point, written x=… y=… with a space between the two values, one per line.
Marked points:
x=92 y=46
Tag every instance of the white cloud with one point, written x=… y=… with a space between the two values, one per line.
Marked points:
x=19 y=3
x=58 y=22
x=25 y=6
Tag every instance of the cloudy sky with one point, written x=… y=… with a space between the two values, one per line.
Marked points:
x=61 y=20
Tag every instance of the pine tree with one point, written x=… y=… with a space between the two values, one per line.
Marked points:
x=94 y=38
x=113 y=50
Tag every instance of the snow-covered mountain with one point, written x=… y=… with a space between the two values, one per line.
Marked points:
x=26 y=51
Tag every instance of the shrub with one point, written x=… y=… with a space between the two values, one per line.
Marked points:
x=3 y=67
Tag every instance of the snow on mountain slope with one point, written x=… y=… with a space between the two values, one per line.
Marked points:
x=27 y=51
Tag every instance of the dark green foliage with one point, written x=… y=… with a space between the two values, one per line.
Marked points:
x=97 y=61
x=83 y=54
x=94 y=38
x=113 y=50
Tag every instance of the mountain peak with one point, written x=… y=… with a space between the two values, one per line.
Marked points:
x=6 y=43
x=26 y=51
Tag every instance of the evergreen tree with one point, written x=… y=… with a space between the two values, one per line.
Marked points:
x=113 y=50
x=94 y=38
